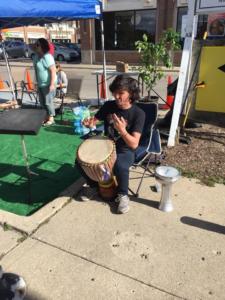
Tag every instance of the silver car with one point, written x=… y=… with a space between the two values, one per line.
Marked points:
x=61 y=53
x=64 y=53
x=16 y=49
x=1 y=52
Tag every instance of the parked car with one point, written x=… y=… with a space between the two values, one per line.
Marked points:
x=61 y=53
x=74 y=46
x=16 y=49
x=64 y=53
x=1 y=52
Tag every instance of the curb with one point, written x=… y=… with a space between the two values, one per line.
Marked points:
x=84 y=66
x=29 y=224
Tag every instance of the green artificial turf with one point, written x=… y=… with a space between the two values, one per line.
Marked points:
x=51 y=154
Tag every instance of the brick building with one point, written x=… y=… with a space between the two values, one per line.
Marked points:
x=125 y=22
x=55 y=32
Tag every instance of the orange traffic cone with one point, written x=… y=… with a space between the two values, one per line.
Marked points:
x=102 y=87
x=169 y=98
x=30 y=84
x=1 y=84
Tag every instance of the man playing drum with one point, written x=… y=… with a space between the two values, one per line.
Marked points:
x=123 y=123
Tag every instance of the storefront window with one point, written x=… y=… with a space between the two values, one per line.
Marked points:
x=61 y=41
x=202 y=22
x=182 y=11
x=145 y=21
x=122 y=29
x=32 y=41
x=202 y=26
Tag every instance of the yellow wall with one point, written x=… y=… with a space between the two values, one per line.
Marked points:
x=212 y=97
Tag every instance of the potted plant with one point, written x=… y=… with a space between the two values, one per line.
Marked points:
x=154 y=56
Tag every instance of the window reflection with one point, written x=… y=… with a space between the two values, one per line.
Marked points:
x=202 y=23
x=123 y=29
x=182 y=11
x=145 y=24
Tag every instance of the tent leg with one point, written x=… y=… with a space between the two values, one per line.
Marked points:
x=12 y=85
x=104 y=57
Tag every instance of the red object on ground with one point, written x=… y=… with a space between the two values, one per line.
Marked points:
x=102 y=87
x=1 y=84
x=169 y=98
x=30 y=84
x=51 y=49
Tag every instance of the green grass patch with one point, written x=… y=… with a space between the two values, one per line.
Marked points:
x=206 y=180
x=51 y=155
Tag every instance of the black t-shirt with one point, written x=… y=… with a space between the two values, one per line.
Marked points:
x=134 y=116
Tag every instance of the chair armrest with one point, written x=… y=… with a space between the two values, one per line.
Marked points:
x=25 y=86
x=18 y=85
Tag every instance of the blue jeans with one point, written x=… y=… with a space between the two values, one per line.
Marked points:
x=123 y=162
x=46 y=100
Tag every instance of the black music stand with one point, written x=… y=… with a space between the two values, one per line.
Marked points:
x=22 y=122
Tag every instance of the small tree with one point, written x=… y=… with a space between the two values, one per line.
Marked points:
x=154 y=55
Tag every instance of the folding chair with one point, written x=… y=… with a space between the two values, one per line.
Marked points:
x=74 y=88
x=5 y=87
x=29 y=86
x=149 y=149
x=61 y=96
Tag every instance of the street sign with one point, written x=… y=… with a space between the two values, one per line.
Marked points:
x=212 y=72
x=209 y=6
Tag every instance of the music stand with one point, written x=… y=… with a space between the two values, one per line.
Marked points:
x=23 y=122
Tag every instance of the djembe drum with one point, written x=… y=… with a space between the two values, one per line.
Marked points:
x=97 y=156
x=166 y=176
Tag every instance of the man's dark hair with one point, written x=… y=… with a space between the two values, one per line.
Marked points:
x=44 y=45
x=125 y=83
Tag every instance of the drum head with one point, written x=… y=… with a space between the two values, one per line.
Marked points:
x=167 y=172
x=95 y=150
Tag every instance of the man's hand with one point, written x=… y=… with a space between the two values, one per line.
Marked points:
x=119 y=124
x=51 y=88
x=90 y=122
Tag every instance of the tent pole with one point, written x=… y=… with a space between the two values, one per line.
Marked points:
x=9 y=71
x=103 y=51
x=184 y=72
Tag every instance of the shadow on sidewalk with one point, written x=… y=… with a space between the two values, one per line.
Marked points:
x=113 y=205
x=203 y=224
x=33 y=296
x=151 y=203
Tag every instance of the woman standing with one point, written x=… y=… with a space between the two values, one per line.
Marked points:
x=45 y=70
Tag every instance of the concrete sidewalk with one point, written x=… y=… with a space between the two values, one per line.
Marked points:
x=87 y=251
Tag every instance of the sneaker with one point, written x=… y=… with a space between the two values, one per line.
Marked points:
x=49 y=123
x=123 y=203
x=87 y=193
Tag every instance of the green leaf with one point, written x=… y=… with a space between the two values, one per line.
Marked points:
x=153 y=55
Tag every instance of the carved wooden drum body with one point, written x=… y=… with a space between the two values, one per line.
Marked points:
x=97 y=156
